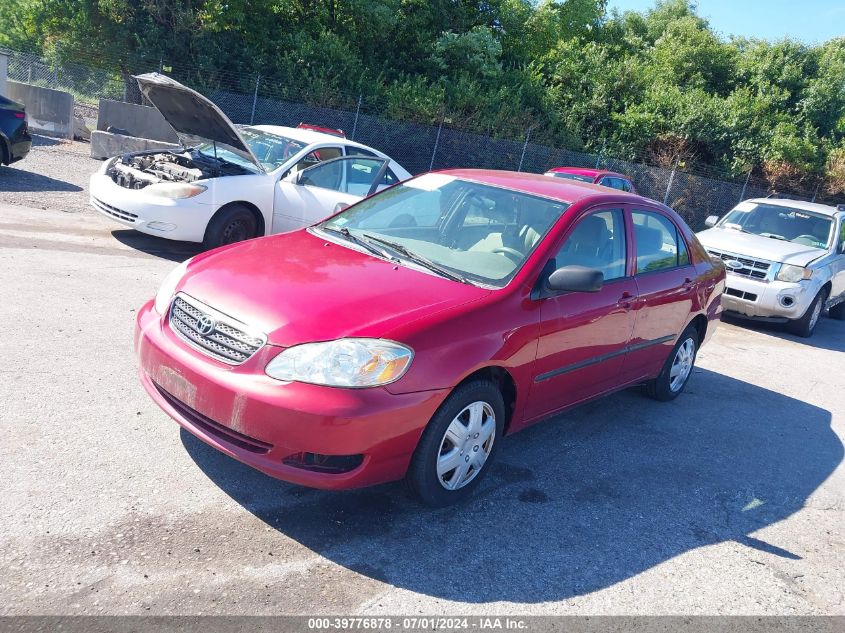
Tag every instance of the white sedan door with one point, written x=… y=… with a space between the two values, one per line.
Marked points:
x=320 y=191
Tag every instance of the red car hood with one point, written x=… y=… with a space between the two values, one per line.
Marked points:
x=298 y=288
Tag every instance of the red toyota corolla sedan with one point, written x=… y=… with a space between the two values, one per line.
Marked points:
x=406 y=335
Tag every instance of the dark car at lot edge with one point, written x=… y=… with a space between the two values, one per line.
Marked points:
x=15 y=140
x=405 y=335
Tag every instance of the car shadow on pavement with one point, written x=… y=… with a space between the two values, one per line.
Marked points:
x=829 y=333
x=157 y=246
x=576 y=504
x=14 y=179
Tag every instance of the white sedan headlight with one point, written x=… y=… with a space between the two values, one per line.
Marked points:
x=348 y=362
x=793 y=274
x=174 y=190
x=168 y=287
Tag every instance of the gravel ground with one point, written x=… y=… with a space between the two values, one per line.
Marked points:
x=728 y=500
x=53 y=176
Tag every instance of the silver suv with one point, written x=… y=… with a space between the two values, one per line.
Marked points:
x=785 y=260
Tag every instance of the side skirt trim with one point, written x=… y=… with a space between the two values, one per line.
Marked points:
x=602 y=358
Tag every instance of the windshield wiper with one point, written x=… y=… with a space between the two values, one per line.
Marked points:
x=347 y=234
x=419 y=259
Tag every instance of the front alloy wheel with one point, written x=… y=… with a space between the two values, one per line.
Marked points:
x=466 y=445
x=458 y=445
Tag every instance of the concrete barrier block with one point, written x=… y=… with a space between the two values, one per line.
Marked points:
x=141 y=121
x=4 y=72
x=50 y=111
x=106 y=144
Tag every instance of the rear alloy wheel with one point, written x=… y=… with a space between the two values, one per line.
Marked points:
x=677 y=369
x=458 y=444
x=233 y=224
x=806 y=325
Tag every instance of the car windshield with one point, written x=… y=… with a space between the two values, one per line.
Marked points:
x=271 y=150
x=578 y=177
x=781 y=223
x=471 y=231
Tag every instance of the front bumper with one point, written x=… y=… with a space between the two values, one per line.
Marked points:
x=241 y=411
x=777 y=301
x=184 y=219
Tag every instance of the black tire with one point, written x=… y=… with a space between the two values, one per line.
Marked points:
x=806 y=325
x=837 y=312
x=661 y=388
x=234 y=223
x=422 y=476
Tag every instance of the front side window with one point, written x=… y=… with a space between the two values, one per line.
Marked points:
x=353 y=175
x=781 y=223
x=597 y=241
x=315 y=157
x=659 y=245
x=480 y=232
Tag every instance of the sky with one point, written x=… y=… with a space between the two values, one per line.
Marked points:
x=811 y=21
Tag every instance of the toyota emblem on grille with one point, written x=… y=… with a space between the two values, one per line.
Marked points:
x=733 y=264
x=205 y=325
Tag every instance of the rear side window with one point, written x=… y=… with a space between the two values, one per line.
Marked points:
x=658 y=243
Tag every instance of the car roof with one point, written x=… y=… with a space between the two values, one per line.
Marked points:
x=822 y=209
x=586 y=171
x=570 y=191
x=304 y=135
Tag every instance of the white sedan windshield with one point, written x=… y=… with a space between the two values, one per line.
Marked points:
x=271 y=150
x=478 y=232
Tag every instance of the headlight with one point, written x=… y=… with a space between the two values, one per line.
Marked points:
x=793 y=274
x=174 y=190
x=348 y=362
x=168 y=288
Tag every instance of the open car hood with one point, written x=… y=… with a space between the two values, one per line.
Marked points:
x=192 y=116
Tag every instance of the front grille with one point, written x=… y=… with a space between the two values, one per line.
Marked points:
x=120 y=214
x=211 y=427
x=755 y=268
x=748 y=296
x=212 y=332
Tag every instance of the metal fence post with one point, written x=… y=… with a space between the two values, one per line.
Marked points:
x=436 y=143
x=357 y=112
x=745 y=186
x=524 y=147
x=601 y=153
x=671 y=178
x=254 y=99
x=816 y=192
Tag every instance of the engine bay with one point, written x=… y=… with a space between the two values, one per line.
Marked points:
x=136 y=171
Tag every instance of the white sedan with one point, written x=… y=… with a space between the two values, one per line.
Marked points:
x=230 y=183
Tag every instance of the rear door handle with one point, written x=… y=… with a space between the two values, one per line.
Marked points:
x=688 y=284
x=626 y=301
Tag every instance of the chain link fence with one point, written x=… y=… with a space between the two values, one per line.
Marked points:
x=695 y=192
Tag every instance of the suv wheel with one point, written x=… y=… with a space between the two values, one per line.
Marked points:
x=677 y=369
x=837 y=312
x=458 y=445
x=807 y=324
